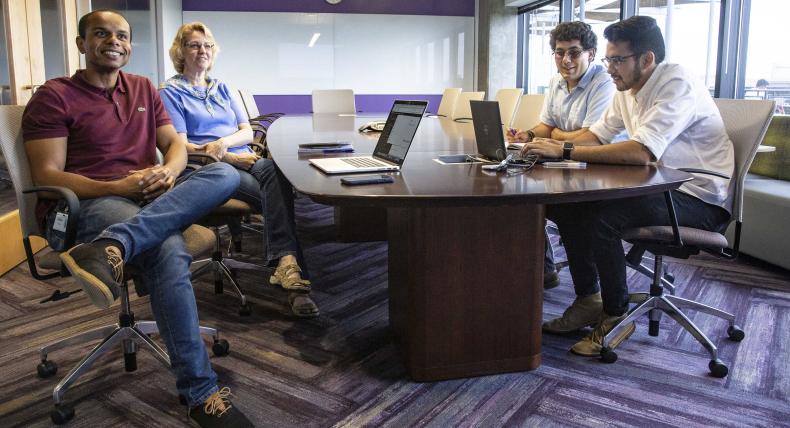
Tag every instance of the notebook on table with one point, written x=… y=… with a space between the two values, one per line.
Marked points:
x=392 y=146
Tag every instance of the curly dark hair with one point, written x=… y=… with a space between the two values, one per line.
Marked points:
x=575 y=30
x=642 y=34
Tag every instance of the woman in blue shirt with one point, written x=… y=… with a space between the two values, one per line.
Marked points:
x=203 y=110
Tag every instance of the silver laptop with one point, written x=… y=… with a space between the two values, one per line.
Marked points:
x=392 y=147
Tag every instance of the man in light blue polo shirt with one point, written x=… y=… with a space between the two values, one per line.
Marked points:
x=577 y=97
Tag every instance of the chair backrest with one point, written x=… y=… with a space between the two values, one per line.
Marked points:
x=508 y=102
x=18 y=167
x=746 y=122
x=528 y=112
x=449 y=98
x=340 y=101
x=463 y=109
x=248 y=101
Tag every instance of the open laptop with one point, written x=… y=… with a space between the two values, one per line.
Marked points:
x=392 y=147
x=489 y=134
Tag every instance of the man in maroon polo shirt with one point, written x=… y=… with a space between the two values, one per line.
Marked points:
x=96 y=133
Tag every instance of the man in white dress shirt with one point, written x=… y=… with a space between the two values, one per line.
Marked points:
x=672 y=121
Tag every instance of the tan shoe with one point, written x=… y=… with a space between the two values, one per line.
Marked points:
x=287 y=277
x=583 y=312
x=591 y=345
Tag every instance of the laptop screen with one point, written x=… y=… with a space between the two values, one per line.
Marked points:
x=488 y=130
x=398 y=133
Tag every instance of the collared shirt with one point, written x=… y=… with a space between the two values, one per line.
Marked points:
x=109 y=132
x=191 y=117
x=583 y=105
x=674 y=116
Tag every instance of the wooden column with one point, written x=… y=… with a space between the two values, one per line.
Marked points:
x=25 y=47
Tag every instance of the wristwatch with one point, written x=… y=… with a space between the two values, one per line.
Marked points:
x=567 y=148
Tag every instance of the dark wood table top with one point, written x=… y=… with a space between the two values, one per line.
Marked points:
x=423 y=181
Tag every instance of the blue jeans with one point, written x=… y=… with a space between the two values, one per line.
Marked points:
x=264 y=187
x=591 y=234
x=154 y=247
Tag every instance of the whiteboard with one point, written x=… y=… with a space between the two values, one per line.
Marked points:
x=268 y=52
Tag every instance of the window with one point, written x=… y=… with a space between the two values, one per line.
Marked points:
x=691 y=31
x=767 y=73
x=540 y=65
x=599 y=14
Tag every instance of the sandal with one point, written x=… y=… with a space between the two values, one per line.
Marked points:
x=282 y=277
x=302 y=305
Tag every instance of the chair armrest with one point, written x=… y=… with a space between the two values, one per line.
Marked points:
x=74 y=209
x=704 y=171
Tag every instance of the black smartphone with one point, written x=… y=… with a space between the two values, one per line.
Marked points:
x=366 y=179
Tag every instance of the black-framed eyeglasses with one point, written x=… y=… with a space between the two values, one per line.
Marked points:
x=571 y=53
x=195 y=46
x=616 y=60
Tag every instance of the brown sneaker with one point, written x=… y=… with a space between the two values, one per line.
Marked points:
x=98 y=267
x=591 y=345
x=217 y=411
x=583 y=312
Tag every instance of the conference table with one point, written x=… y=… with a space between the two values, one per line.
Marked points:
x=466 y=245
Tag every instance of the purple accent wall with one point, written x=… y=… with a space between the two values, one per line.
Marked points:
x=300 y=104
x=388 y=7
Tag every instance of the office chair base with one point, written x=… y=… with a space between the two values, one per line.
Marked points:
x=129 y=337
x=221 y=271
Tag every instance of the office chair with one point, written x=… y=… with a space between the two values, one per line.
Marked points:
x=746 y=122
x=527 y=114
x=462 y=111
x=258 y=122
x=447 y=104
x=128 y=332
x=234 y=214
x=338 y=101
x=508 y=100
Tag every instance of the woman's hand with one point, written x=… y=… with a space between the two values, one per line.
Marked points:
x=242 y=161
x=216 y=148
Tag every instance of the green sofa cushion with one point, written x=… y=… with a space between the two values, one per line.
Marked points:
x=775 y=164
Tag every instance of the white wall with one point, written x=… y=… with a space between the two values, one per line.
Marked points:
x=268 y=53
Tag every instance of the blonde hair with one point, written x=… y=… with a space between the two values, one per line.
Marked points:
x=177 y=48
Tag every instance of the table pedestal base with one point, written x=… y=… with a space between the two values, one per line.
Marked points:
x=466 y=288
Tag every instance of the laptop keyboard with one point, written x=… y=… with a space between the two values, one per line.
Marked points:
x=363 y=162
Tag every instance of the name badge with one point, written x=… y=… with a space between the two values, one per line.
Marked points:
x=60 y=222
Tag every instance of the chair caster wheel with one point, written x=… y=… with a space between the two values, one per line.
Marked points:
x=46 y=369
x=62 y=414
x=130 y=361
x=182 y=400
x=608 y=356
x=735 y=333
x=220 y=348
x=219 y=287
x=717 y=368
x=669 y=277
x=245 y=310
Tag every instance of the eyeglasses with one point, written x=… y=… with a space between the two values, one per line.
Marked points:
x=616 y=60
x=571 y=53
x=195 y=46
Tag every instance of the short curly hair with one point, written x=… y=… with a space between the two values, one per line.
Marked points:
x=575 y=30
x=177 y=48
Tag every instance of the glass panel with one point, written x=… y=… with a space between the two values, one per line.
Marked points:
x=541 y=65
x=598 y=14
x=5 y=77
x=691 y=33
x=141 y=17
x=52 y=35
x=762 y=59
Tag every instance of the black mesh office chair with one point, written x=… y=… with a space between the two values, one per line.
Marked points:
x=746 y=122
x=128 y=332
